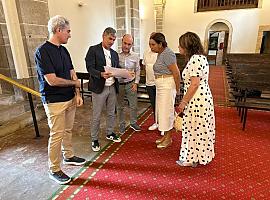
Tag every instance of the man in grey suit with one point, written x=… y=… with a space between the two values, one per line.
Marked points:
x=103 y=85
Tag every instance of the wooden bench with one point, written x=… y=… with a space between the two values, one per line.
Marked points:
x=252 y=87
x=247 y=58
x=249 y=79
x=252 y=103
x=234 y=59
x=240 y=65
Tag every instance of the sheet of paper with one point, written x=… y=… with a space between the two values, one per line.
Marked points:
x=118 y=72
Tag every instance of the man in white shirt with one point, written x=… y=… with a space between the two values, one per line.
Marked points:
x=128 y=87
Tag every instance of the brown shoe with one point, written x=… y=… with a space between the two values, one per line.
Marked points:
x=167 y=140
x=158 y=141
x=165 y=143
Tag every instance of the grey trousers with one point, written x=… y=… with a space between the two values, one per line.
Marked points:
x=106 y=99
x=125 y=90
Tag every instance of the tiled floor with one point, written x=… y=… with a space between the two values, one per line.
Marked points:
x=23 y=159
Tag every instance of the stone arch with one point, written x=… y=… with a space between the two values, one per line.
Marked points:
x=224 y=30
x=229 y=25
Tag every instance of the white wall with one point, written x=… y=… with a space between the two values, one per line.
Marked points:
x=180 y=17
x=147 y=22
x=87 y=24
x=89 y=21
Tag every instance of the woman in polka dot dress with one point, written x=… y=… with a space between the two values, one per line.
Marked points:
x=198 y=129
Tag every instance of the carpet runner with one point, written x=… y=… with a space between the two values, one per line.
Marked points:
x=136 y=169
x=218 y=85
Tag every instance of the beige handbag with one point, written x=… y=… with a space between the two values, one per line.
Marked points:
x=178 y=121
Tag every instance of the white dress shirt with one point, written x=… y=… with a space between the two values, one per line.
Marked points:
x=109 y=81
x=130 y=61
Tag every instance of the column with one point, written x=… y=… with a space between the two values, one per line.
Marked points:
x=159 y=14
x=15 y=38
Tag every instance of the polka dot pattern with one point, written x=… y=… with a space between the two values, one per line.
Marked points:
x=198 y=128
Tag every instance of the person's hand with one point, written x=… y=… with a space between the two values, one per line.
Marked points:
x=178 y=112
x=131 y=73
x=134 y=87
x=181 y=106
x=77 y=83
x=177 y=99
x=79 y=101
x=106 y=75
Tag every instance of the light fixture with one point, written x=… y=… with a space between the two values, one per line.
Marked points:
x=81 y=3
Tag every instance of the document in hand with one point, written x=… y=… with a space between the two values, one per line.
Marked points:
x=118 y=72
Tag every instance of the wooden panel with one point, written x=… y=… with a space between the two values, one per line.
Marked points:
x=210 y=5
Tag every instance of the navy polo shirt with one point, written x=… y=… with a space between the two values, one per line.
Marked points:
x=50 y=59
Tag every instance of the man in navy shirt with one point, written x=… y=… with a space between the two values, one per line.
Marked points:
x=59 y=88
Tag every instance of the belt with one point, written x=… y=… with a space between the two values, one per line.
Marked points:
x=163 y=75
x=125 y=83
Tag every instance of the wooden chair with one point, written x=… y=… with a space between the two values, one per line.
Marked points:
x=84 y=91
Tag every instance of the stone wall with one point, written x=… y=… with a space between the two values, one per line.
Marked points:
x=159 y=10
x=33 y=17
x=6 y=60
x=135 y=24
x=128 y=21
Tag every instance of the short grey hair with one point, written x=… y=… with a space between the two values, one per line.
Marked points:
x=57 y=22
x=109 y=31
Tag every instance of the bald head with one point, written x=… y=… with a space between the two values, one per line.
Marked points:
x=127 y=43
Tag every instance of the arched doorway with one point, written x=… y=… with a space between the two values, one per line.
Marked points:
x=263 y=40
x=218 y=40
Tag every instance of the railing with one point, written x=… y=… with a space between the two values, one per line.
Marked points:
x=210 y=5
x=30 y=92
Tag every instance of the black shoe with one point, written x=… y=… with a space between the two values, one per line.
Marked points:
x=60 y=177
x=74 y=161
x=95 y=146
x=135 y=127
x=195 y=164
x=113 y=137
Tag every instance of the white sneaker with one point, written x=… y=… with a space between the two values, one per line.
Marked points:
x=162 y=133
x=153 y=127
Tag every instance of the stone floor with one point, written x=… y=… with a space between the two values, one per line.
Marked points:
x=23 y=159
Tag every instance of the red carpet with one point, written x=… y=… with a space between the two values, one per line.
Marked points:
x=136 y=169
x=218 y=84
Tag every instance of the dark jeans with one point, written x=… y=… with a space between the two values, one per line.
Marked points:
x=151 y=90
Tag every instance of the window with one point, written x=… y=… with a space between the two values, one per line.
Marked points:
x=213 y=41
x=210 y=5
